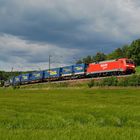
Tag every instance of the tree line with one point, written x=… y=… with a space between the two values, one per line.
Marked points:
x=131 y=51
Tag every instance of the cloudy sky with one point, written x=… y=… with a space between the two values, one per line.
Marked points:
x=31 y=30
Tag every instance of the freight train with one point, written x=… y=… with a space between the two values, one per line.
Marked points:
x=120 y=66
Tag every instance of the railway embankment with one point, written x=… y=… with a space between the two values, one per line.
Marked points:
x=105 y=82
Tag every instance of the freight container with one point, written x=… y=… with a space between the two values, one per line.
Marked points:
x=52 y=73
x=25 y=78
x=67 y=71
x=36 y=76
x=17 y=80
x=79 y=69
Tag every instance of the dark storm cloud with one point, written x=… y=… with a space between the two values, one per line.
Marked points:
x=59 y=25
x=30 y=30
x=36 y=24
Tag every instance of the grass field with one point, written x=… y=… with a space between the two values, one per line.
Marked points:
x=70 y=114
x=138 y=69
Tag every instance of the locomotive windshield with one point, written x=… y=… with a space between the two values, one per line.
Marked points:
x=129 y=62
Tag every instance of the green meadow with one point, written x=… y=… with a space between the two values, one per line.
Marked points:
x=70 y=114
x=138 y=70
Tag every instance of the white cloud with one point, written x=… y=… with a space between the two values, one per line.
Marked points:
x=19 y=53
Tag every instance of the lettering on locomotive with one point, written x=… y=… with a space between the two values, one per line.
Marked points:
x=104 y=66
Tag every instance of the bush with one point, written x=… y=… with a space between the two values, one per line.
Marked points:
x=1 y=83
x=16 y=86
x=133 y=80
x=91 y=84
x=123 y=82
x=111 y=81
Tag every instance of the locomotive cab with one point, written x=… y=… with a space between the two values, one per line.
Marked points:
x=130 y=66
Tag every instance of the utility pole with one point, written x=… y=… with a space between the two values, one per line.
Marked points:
x=12 y=72
x=49 y=66
x=12 y=75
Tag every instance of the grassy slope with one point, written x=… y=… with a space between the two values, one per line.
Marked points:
x=138 y=69
x=64 y=114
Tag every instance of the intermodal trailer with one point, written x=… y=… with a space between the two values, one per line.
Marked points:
x=118 y=66
x=17 y=80
x=36 y=76
x=67 y=71
x=25 y=78
x=52 y=74
x=79 y=70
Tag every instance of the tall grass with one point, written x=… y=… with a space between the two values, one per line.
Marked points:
x=138 y=70
x=70 y=114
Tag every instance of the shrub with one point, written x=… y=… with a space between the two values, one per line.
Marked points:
x=111 y=81
x=1 y=83
x=123 y=82
x=16 y=86
x=133 y=80
x=91 y=84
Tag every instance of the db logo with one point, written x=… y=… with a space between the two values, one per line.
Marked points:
x=104 y=66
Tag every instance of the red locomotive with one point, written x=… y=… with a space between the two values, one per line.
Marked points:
x=111 y=67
